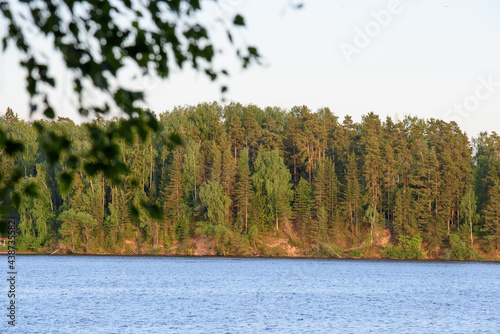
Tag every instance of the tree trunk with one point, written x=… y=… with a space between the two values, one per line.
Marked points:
x=471 y=239
x=246 y=214
x=276 y=219
x=371 y=230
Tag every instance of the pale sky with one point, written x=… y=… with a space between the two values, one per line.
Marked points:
x=427 y=58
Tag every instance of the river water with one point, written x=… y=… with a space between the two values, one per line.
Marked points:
x=101 y=294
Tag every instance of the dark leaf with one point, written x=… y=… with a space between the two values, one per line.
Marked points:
x=91 y=168
x=175 y=139
x=49 y=113
x=134 y=182
x=65 y=180
x=72 y=162
x=12 y=147
x=30 y=190
x=153 y=210
x=134 y=213
x=16 y=199
x=239 y=20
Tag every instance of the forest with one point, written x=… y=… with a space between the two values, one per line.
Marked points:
x=251 y=181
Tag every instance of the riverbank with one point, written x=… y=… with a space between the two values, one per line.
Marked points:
x=104 y=254
x=272 y=245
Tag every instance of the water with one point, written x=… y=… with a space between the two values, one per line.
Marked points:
x=88 y=294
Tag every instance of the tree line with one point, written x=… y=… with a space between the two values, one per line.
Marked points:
x=244 y=171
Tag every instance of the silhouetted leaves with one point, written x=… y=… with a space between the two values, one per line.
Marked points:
x=239 y=20
x=65 y=180
x=94 y=46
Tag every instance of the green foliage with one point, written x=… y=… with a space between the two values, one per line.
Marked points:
x=223 y=237
x=272 y=181
x=76 y=229
x=408 y=248
x=35 y=211
x=355 y=253
x=352 y=196
x=230 y=176
x=302 y=204
x=253 y=233
x=182 y=228
x=95 y=46
x=192 y=168
x=468 y=206
x=492 y=212
x=373 y=217
x=459 y=250
x=244 y=193
x=215 y=202
x=226 y=241
x=204 y=228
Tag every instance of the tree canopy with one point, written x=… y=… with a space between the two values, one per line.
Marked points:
x=328 y=185
x=94 y=42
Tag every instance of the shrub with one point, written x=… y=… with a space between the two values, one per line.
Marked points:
x=204 y=228
x=225 y=240
x=355 y=253
x=407 y=249
x=253 y=233
x=459 y=250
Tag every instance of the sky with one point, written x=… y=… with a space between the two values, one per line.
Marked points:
x=426 y=58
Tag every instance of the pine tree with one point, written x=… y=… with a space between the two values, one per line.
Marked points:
x=319 y=186
x=243 y=191
x=447 y=178
x=191 y=171
x=331 y=194
x=228 y=172
x=389 y=170
x=172 y=194
x=236 y=134
x=482 y=163
x=118 y=217
x=302 y=205
x=290 y=142
x=492 y=210
x=435 y=230
x=252 y=129
x=76 y=193
x=214 y=163
x=10 y=117
x=308 y=142
x=372 y=169
x=418 y=177
x=404 y=221
x=228 y=180
x=352 y=195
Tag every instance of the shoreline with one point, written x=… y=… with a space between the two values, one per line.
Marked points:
x=2 y=252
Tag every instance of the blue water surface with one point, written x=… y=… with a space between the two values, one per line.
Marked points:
x=101 y=294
